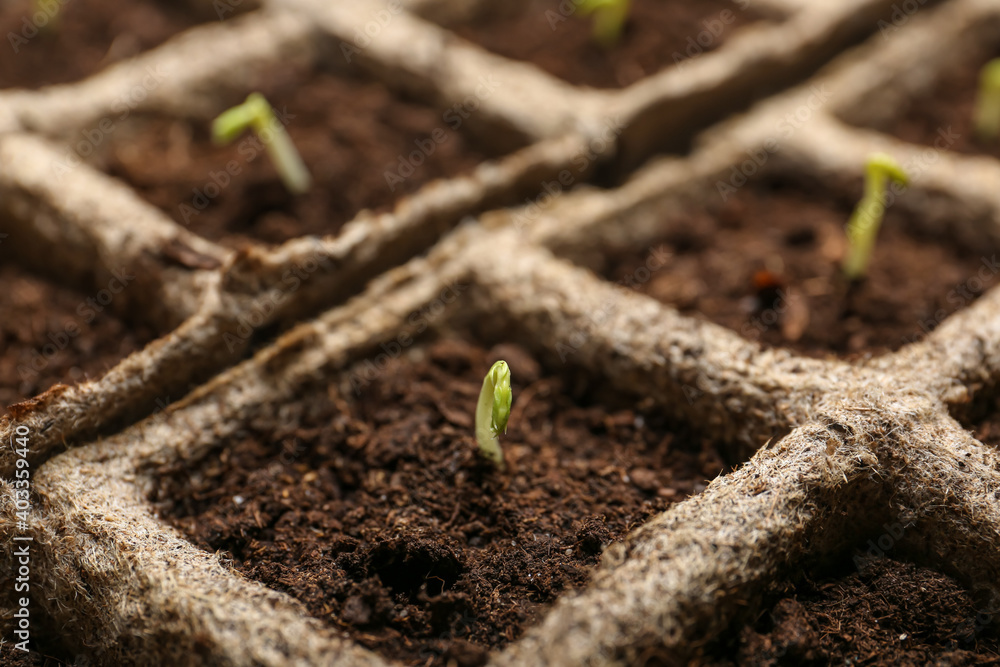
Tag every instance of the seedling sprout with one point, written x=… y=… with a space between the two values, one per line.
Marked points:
x=609 y=19
x=988 y=101
x=492 y=413
x=51 y=10
x=256 y=114
x=862 y=228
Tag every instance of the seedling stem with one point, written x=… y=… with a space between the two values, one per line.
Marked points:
x=492 y=413
x=862 y=228
x=609 y=19
x=988 y=101
x=256 y=114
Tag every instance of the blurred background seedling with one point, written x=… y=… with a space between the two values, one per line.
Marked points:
x=51 y=10
x=256 y=114
x=863 y=227
x=987 y=112
x=608 y=17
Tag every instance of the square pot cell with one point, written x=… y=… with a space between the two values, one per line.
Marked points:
x=366 y=500
x=765 y=261
x=943 y=116
x=55 y=41
x=867 y=602
x=555 y=36
x=364 y=146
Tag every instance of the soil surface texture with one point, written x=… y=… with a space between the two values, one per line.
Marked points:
x=14 y=657
x=52 y=334
x=364 y=147
x=658 y=34
x=885 y=612
x=61 y=41
x=945 y=116
x=767 y=265
x=374 y=510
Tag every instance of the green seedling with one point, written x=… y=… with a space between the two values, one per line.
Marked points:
x=988 y=101
x=862 y=228
x=256 y=114
x=51 y=10
x=492 y=413
x=609 y=19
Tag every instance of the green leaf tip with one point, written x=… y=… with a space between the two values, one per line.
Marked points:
x=862 y=228
x=609 y=19
x=233 y=122
x=256 y=114
x=501 y=397
x=987 y=112
x=883 y=165
x=493 y=411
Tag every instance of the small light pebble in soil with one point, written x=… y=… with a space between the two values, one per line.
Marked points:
x=766 y=264
x=885 y=613
x=374 y=511
x=51 y=334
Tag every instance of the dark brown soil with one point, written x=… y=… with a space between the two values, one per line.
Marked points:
x=885 y=613
x=553 y=35
x=44 y=646
x=987 y=429
x=365 y=148
x=375 y=511
x=13 y=657
x=944 y=117
x=51 y=334
x=86 y=36
x=767 y=265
